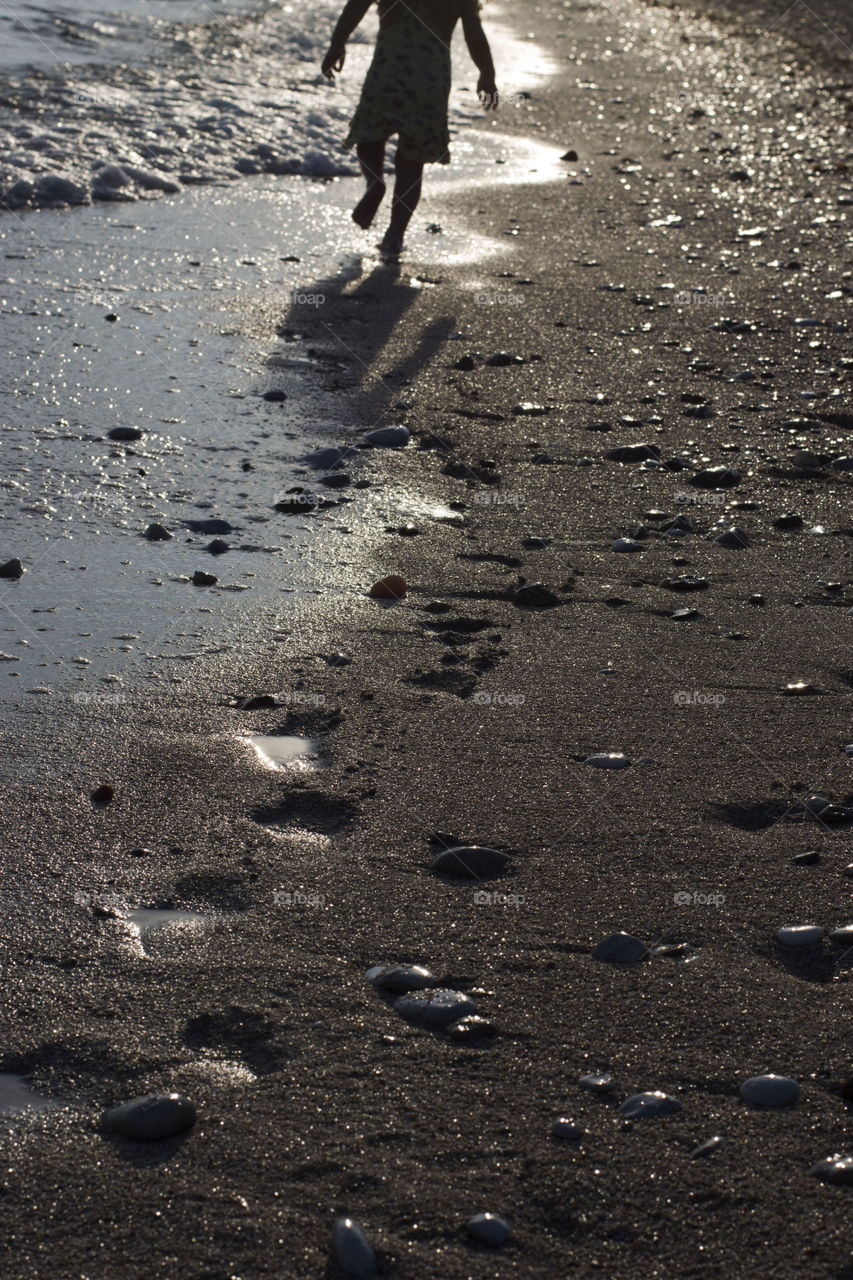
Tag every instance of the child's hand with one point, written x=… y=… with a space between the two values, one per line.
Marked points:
x=333 y=61
x=487 y=92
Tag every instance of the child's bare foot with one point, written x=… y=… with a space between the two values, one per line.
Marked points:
x=391 y=243
x=365 y=211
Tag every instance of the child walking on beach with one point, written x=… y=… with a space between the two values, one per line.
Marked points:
x=405 y=93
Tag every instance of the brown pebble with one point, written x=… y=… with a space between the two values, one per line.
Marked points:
x=103 y=794
x=391 y=588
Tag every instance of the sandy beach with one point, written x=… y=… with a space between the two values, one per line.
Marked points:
x=671 y=301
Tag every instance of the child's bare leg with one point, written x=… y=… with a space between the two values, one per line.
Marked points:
x=371 y=157
x=407 y=193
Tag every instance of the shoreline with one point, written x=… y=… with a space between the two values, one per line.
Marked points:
x=467 y=717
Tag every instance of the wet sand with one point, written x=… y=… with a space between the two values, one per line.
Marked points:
x=636 y=290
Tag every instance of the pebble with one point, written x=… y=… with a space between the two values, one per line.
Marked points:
x=275 y=396
x=837 y=1169
x=806 y=859
x=799 y=935
x=326 y=459
x=788 y=521
x=628 y=544
x=707 y=1148
x=534 y=595
x=400 y=977
x=770 y=1091
x=103 y=794
x=532 y=543
x=151 y=1118
x=679 y=524
x=489 y=1228
x=217 y=547
x=633 y=453
x=528 y=410
x=566 y=1129
x=842 y=937
x=655 y=1103
x=800 y=689
x=686 y=583
x=716 y=478
x=202 y=579
x=157 y=533
x=608 y=760
x=502 y=358
x=684 y=615
x=620 y=948
x=389 y=437
x=391 y=588
x=735 y=538
x=466 y=363
x=848 y=870
x=597 y=1083
x=471 y=862
x=570 y=155
x=12 y=569
x=352 y=1249
x=125 y=433
x=472 y=1029
x=336 y=480
x=437 y=1008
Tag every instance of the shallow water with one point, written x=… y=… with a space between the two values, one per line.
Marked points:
x=16 y=1097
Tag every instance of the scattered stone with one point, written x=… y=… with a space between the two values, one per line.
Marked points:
x=389 y=437
x=566 y=1130
x=471 y=862
x=470 y=1030
x=501 y=359
x=152 y=1118
x=202 y=579
x=125 y=433
x=326 y=459
x=685 y=615
x=643 y=1105
x=806 y=859
x=716 y=478
x=770 y=1091
x=535 y=595
x=466 y=363
x=608 y=760
x=620 y=948
x=12 y=569
x=633 y=453
x=735 y=538
x=157 y=533
x=217 y=547
x=597 y=1083
x=400 y=977
x=800 y=689
x=436 y=1008
x=679 y=524
x=799 y=935
x=570 y=155
x=528 y=410
x=535 y=544
x=103 y=794
x=297 y=501
x=820 y=807
x=391 y=588
x=489 y=1228
x=842 y=937
x=352 y=1249
x=212 y=525
x=628 y=544
x=336 y=480
x=274 y=397
x=338 y=659
x=686 y=583
x=707 y=1148
x=788 y=521
x=837 y=1169
x=757 y=600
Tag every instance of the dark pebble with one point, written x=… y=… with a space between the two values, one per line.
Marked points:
x=275 y=397
x=217 y=547
x=12 y=569
x=157 y=533
x=152 y=1118
x=103 y=794
x=202 y=579
x=471 y=862
x=125 y=433
x=806 y=859
x=535 y=595
x=789 y=521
